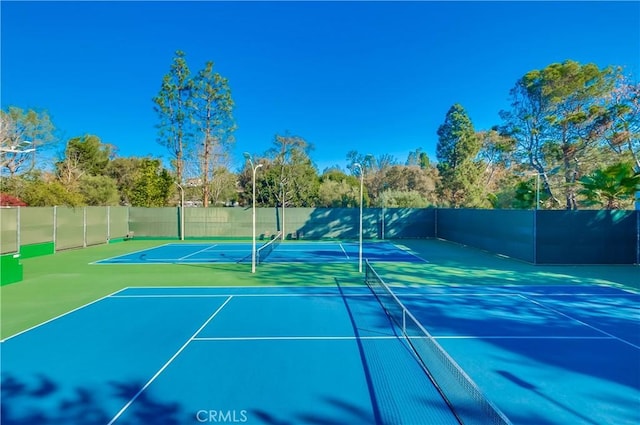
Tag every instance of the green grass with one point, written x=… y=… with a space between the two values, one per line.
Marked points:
x=56 y=284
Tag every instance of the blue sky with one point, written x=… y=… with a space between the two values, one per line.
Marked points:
x=376 y=77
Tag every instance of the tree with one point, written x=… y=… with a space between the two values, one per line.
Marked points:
x=123 y=171
x=339 y=190
x=223 y=187
x=374 y=170
x=153 y=184
x=419 y=158
x=559 y=115
x=457 y=148
x=611 y=187
x=173 y=104
x=44 y=190
x=213 y=107
x=404 y=199
x=30 y=131
x=289 y=178
x=98 y=190
x=85 y=155
x=623 y=118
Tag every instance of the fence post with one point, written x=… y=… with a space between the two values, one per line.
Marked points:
x=84 y=227
x=55 y=228
x=18 y=224
x=535 y=236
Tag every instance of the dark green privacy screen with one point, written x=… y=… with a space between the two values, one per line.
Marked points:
x=587 y=237
x=507 y=232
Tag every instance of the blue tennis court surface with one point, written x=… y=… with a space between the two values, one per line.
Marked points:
x=323 y=355
x=286 y=252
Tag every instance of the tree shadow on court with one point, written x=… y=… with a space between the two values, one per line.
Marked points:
x=574 y=334
x=42 y=401
x=341 y=413
x=394 y=381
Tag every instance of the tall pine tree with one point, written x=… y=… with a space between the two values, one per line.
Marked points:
x=173 y=105
x=458 y=146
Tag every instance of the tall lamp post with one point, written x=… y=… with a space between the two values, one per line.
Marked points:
x=253 y=202
x=181 y=211
x=359 y=166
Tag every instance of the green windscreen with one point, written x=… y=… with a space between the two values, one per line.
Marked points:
x=154 y=222
x=97 y=226
x=69 y=227
x=118 y=222
x=36 y=225
x=8 y=230
x=507 y=232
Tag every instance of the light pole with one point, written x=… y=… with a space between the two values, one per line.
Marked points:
x=253 y=202
x=361 y=199
x=181 y=211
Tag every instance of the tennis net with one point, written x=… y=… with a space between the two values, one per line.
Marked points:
x=266 y=249
x=461 y=394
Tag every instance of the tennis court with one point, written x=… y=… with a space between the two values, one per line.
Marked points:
x=330 y=354
x=286 y=252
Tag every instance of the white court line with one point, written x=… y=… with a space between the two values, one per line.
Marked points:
x=153 y=378
x=62 y=315
x=198 y=252
x=581 y=322
x=387 y=337
x=345 y=251
x=233 y=286
x=409 y=251
x=293 y=338
x=333 y=295
x=130 y=253
x=522 y=337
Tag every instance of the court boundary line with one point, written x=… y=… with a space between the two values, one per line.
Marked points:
x=294 y=338
x=197 y=252
x=393 y=337
x=580 y=321
x=233 y=286
x=62 y=315
x=568 y=337
x=344 y=251
x=409 y=251
x=240 y=295
x=97 y=262
x=168 y=362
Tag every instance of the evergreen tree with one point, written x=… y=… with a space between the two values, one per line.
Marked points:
x=456 y=151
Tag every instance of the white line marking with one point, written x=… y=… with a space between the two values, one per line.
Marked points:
x=345 y=252
x=522 y=337
x=129 y=253
x=581 y=322
x=153 y=378
x=332 y=295
x=342 y=338
x=197 y=252
x=62 y=315
x=408 y=251
x=292 y=338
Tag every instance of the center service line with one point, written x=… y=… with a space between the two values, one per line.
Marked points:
x=153 y=378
